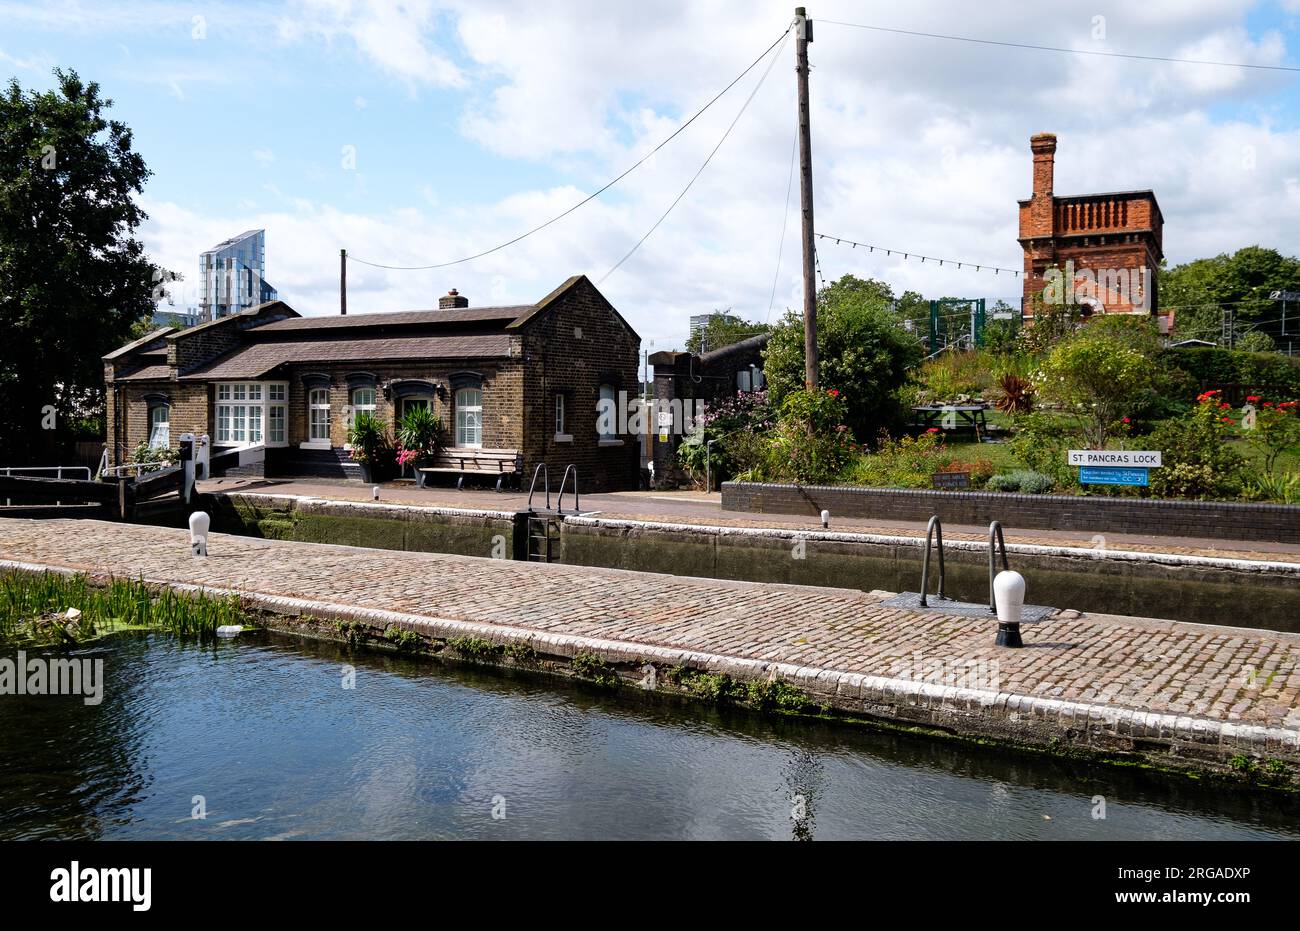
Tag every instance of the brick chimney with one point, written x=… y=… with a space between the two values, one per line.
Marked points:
x=452 y=299
x=1044 y=149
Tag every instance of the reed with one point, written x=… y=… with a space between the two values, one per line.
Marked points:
x=34 y=607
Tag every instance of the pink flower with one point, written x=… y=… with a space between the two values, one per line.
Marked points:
x=1126 y=420
x=932 y=430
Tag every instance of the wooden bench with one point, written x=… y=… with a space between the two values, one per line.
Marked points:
x=463 y=461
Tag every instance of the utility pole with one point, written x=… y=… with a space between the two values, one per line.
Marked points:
x=343 y=282
x=802 y=36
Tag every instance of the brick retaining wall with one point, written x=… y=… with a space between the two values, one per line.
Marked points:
x=1278 y=523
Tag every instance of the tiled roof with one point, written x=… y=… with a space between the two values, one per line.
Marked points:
x=150 y=373
x=450 y=315
x=256 y=360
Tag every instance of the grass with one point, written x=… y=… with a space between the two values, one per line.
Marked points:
x=33 y=608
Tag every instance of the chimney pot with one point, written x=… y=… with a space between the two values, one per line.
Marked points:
x=452 y=299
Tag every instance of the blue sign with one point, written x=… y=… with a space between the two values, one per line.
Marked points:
x=1112 y=475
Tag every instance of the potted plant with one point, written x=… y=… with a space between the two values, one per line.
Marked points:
x=368 y=437
x=419 y=434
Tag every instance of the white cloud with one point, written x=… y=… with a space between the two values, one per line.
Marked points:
x=396 y=35
x=265 y=156
x=920 y=145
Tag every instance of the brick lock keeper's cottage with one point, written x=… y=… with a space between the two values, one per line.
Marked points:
x=525 y=378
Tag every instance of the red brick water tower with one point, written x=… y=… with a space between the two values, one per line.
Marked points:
x=1114 y=239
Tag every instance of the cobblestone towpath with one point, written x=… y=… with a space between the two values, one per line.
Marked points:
x=1185 y=694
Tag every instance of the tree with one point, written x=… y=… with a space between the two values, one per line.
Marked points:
x=1102 y=373
x=723 y=329
x=73 y=277
x=1201 y=289
x=865 y=354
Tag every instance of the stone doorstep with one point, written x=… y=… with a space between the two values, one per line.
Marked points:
x=968 y=712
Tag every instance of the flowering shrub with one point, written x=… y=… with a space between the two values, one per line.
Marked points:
x=904 y=463
x=811 y=443
x=1198 y=462
x=736 y=426
x=1271 y=427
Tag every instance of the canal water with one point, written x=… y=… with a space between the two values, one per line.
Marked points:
x=260 y=736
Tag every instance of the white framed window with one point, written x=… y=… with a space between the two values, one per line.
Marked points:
x=559 y=415
x=160 y=426
x=607 y=415
x=318 y=416
x=251 y=414
x=469 y=417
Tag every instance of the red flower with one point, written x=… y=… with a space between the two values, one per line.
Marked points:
x=1252 y=397
x=1126 y=420
x=933 y=430
x=1225 y=406
x=833 y=393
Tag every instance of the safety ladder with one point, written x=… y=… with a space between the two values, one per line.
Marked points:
x=543 y=523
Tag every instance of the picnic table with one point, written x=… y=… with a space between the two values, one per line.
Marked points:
x=926 y=416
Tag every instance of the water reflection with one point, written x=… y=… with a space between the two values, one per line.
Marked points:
x=264 y=731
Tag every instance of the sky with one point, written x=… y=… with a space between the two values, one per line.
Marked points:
x=420 y=132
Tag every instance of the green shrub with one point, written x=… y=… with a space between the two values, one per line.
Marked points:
x=903 y=463
x=1041 y=442
x=1270 y=372
x=1023 y=481
x=864 y=353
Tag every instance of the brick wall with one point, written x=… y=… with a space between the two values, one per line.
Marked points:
x=573 y=347
x=189 y=414
x=502 y=381
x=1274 y=523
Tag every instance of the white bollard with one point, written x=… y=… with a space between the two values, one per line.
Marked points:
x=199 y=523
x=375 y=492
x=826 y=519
x=1009 y=596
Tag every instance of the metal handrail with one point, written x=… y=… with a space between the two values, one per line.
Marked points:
x=124 y=471
x=995 y=531
x=934 y=528
x=546 y=481
x=559 y=505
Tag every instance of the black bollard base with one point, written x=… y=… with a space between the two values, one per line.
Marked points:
x=1009 y=635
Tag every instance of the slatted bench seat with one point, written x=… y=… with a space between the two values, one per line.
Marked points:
x=505 y=464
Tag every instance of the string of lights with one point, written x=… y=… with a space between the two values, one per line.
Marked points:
x=1055 y=48
x=840 y=240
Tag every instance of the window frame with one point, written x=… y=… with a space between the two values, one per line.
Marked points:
x=153 y=427
x=459 y=409
x=242 y=409
x=607 y=439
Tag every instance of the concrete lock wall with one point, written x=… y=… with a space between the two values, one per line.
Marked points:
x=1218 y=520
x=380 y=526
x=1217 y=591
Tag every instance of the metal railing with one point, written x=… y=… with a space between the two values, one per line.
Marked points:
x=559 y=505
x=995 y=531
x=136 y=468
